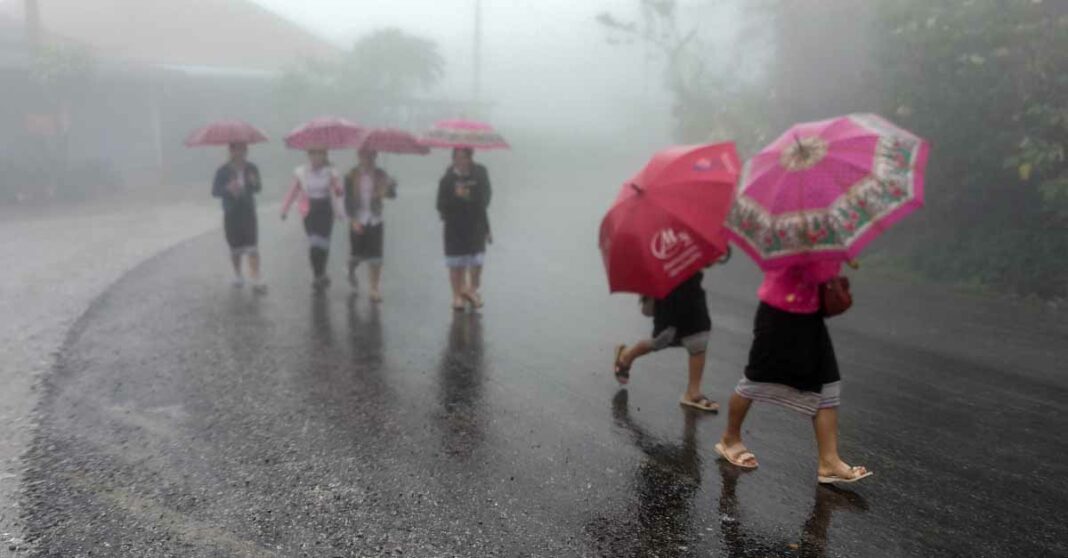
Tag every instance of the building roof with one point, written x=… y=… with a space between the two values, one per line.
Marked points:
x=227 y=34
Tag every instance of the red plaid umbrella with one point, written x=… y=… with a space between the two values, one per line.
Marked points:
x=391 y=140
x=326 y=133
x=225 y=132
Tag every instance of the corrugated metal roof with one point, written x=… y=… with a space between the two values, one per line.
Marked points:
x=230 y=34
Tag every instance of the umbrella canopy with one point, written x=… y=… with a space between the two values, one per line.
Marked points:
x=464 y=134
x=326 y=133
x=824 y=190
x=225 y=132
x=667 y=222
x=390 y=140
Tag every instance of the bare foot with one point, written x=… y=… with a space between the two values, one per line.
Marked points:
x=737 y=454
x=840 y=471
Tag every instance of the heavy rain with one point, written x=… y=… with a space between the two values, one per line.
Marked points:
x=649 y=278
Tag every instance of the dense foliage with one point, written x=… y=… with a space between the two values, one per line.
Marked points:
x=985 y=80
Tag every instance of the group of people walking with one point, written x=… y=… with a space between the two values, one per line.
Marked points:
x=791 y=361
x=357 y=199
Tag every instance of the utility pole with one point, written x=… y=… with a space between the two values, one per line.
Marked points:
x=476 y=92
x=33 y=24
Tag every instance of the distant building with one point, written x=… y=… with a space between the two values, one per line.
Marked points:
x=158 y=68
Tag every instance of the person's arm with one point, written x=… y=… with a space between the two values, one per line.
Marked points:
x=391 y=186
x=350 y=195
x=253 y=182
x=294 y=191
x=218 y=186
x=445 y=195
x=338 y=197
x=488 y=190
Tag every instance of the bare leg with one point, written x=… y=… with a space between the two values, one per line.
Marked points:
x=640 y=349
x=456 y=279
x=254 y=266
x=374 y=275
x=476 y=278
x=235 y=260
x=732 y=437
x=697 y=370
x=826 y=424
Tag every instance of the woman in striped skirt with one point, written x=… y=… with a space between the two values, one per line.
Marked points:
x=792 y=364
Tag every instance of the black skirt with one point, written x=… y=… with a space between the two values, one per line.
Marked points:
x=791 y=349
x=239 y=222
x=369 y=244
x=320 y=218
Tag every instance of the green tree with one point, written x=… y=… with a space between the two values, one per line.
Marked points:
x=987 y=82
x=714 y=96
x=384 y=67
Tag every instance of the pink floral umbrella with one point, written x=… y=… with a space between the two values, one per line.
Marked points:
x=326 y=133
x=225 y=132
x=390 y=140
x=451 y=134
x=824 y=190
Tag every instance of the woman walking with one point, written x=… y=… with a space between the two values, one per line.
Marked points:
x=235 y=183
x=792 y=364
x=317 y=189
x=463 y=198
x=366 y=188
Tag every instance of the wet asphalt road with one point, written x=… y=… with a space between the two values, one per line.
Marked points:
x=190 y=419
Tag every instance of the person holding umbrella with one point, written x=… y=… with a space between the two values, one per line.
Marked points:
x=807 y=203
x=463 y=199
x=317 y=186
x=235 y=183
x=665 y=227
x=366 y=188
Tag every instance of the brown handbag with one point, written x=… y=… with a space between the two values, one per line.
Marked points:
x=835 y=297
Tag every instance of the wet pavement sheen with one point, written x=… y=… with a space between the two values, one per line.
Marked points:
x=190 y=419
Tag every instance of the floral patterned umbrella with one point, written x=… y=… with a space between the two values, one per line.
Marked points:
x=824 y=190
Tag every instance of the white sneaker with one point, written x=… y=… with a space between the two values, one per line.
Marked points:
x=237 y=282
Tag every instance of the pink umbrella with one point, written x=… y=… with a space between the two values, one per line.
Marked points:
x=824 y=190
x=390 y=140
x=464 y=134
x=225 y=132
x=326 y=133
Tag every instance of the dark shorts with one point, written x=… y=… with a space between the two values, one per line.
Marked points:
x=791 y=349
x=240 y=227
x=368 y=246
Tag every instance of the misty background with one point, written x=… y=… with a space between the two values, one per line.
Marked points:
x=99 y=94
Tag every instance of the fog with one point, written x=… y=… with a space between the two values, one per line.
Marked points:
x=100 y=95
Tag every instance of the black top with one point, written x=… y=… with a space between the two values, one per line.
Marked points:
x=684 y=309
x=462 y=203
x=244 y=199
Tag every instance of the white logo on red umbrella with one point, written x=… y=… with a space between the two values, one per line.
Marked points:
x=668 y=243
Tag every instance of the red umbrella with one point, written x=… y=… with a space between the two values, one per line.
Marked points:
x=326 y=133
x=470 y=134
x=667 y=222
x=390 y=140
x=225 y=132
